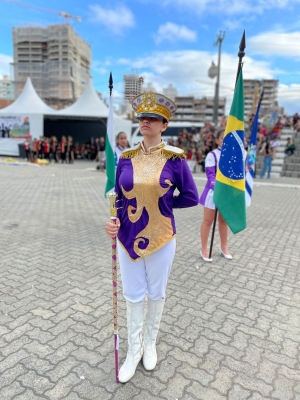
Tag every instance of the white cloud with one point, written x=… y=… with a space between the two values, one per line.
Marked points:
x=101 y=70
x=231 y=7
x=116 y=20
x=4 y=65
x=184 y=68
x=118 y=93
x=232 y=24
x=173 y=32
x=276 y=44
x=289 y=97
x=124 y=61
x=100 y=67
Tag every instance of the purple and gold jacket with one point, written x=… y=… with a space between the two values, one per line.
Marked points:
x=145 y=185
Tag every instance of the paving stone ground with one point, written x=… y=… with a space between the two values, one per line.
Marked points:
x=230 y=329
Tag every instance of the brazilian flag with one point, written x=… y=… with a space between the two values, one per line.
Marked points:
x=229 y=193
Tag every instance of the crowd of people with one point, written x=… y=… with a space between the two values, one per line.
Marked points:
x=63 y=151
x=50 y=149
x=196 y=143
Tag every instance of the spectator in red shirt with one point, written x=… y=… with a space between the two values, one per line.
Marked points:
x=46 y=149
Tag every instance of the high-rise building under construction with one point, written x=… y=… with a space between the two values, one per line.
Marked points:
x=55 y=58
x=132 y=86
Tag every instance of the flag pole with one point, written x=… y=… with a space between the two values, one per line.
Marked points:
x=241 y=54
x=251 y=154
x=110 y=84
x=113 y=215
x=259 y=103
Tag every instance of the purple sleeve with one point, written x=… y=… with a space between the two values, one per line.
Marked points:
x=184 y=181
x=211 y=169
x=211 y=176
x=118 y=189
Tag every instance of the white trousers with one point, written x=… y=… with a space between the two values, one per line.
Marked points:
x=147 y=275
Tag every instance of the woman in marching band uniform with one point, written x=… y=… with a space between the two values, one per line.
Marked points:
x=121 y=144
x=147 y=176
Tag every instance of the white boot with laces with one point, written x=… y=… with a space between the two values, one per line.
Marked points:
x=153 y=317
x=135 y=319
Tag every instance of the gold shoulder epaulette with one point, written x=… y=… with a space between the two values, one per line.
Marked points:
x=130 y=153
x=173 y=152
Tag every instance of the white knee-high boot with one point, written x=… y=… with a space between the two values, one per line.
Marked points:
x=135 y=319
x=153 y=317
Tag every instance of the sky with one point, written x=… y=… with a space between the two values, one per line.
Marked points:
x=172 y=41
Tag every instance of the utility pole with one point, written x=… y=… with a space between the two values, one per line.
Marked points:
x=218 y=42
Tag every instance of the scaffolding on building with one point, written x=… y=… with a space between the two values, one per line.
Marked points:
x=53 y=81
x=55 y=58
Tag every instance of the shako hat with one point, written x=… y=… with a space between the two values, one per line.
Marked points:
x=151 y=104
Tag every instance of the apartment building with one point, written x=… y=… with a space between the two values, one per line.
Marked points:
x=56 y=59
x=191 y=109
x=252 y=90
x=133 y=85
x=6 y=88
x=170 y=92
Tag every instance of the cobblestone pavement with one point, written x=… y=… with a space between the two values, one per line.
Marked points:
x=230 y=330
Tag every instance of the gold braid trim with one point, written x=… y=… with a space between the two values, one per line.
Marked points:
x=169 y=154
x=165 y=152
x=130 y=153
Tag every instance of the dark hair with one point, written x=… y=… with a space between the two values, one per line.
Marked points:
x=165 y=121
x=119 y=134
x=217 y=136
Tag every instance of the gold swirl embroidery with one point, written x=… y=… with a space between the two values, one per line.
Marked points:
x=147 y=191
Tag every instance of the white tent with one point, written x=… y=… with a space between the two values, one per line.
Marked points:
x=91 y=106
x=88 y=105
x=30 y=105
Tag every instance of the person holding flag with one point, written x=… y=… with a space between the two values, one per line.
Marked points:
x=229 y=194
x=206 y=200
x=229 y=188
x=147 y=176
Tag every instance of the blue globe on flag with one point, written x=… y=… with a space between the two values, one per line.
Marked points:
x=232 y=165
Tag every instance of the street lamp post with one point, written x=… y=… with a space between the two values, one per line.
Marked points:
x=218 y=43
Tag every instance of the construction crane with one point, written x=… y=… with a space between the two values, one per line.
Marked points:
x=63 y=14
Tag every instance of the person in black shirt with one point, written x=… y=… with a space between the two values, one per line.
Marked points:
x=267 y=151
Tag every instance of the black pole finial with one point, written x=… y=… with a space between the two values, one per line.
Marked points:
x=241 y=54
x=110 y=84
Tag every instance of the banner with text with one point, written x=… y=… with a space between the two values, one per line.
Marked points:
x=14 y=127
